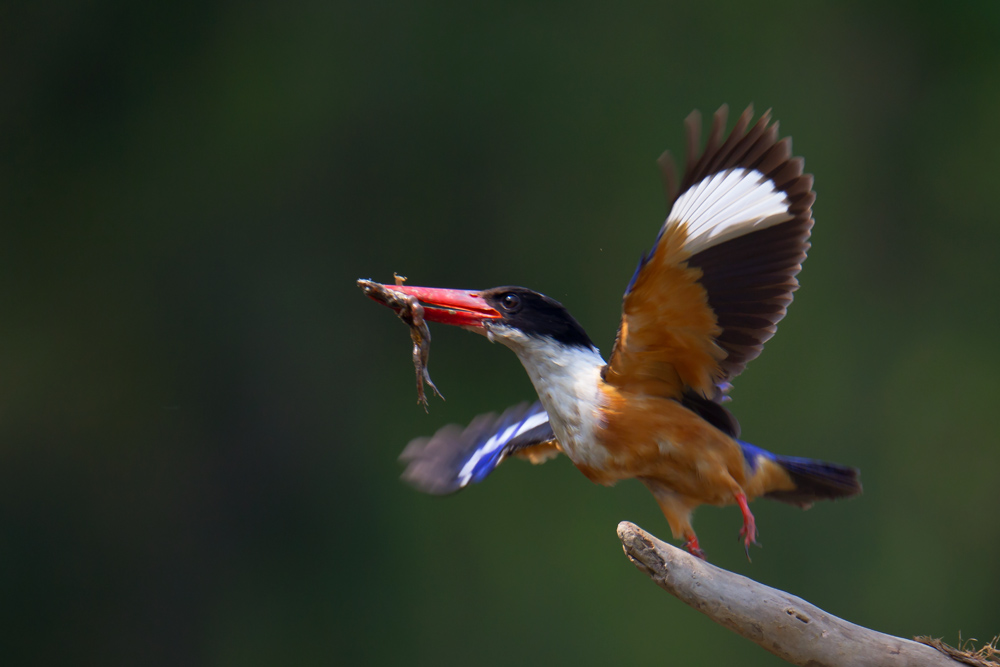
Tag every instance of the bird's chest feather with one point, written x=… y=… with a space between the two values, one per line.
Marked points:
x=612 y=435
x=567 y=382
x=575 y=419
x=648 y=436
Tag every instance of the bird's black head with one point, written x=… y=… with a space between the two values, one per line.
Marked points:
x=535 y=314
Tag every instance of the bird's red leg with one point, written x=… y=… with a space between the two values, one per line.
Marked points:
x=749 y=530
x=691 y=544
x=677 y=510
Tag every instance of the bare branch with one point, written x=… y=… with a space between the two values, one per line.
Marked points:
x=785 y=625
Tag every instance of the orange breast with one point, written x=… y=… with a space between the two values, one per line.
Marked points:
x=658 y=438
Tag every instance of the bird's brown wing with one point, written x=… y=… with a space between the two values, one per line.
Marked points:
x=721 y=273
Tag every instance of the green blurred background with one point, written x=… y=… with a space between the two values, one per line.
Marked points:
x=200 y=413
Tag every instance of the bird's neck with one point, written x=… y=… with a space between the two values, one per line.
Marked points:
x=567 y=379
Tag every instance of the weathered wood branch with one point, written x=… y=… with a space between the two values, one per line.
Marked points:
x=785 y=625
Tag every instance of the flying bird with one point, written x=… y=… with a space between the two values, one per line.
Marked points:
x=699 y=307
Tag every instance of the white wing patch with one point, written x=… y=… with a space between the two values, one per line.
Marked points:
x=497 y=441
x=726 y=205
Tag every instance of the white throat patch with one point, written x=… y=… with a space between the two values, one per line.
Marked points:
x=567 y=380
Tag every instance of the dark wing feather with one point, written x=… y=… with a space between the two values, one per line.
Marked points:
x=749 y=281
x=711 y=410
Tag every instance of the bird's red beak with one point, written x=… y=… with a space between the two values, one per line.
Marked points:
x=457 y=307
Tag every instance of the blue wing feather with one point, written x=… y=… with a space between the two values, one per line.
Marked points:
x=455 y=457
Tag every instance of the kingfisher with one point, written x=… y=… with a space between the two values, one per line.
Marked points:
x=699 y=307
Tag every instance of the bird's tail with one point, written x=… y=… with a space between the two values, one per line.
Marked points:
x=814 y=480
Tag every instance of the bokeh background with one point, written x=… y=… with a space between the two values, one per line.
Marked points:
x=200 y=414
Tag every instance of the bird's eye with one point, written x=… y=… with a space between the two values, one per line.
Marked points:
x=510 y=301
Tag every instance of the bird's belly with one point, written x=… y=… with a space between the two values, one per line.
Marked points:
x=610 y=435
x=656 y=438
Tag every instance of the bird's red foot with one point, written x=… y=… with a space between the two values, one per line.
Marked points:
x=691 y=544
x=749 y=530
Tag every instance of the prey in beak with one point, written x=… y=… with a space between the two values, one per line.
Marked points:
x=462 y=308
x=416 y=306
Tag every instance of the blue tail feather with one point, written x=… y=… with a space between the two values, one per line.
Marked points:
x=814 y=480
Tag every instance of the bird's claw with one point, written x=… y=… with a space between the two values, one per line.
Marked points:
x=691 y=545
